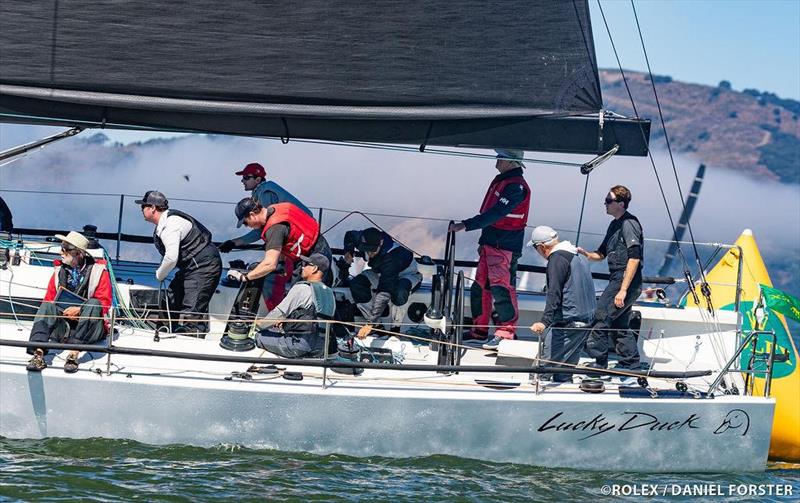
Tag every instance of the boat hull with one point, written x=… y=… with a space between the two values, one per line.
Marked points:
x=565 y=429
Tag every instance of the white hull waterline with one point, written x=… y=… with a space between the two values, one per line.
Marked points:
x=387 y=413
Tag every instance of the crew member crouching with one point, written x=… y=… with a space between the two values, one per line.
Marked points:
x=570 y=304
x=78 y=273
x=299 y=336
x=391 y=278
x=185 y=243
x=287 y=231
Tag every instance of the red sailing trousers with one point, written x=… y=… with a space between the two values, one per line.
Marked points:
x=494 y=289
x=274 y=289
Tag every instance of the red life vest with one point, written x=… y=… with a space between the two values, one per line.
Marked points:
x=303 y=229
x=518 y=217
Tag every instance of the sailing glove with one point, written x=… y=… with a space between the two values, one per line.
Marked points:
x=226 y=246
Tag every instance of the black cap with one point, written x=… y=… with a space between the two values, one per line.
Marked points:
x=317 y=259
x=244 y=208
x=370 y=240
x=154 y=198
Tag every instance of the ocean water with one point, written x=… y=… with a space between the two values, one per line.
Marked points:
x=118 y=470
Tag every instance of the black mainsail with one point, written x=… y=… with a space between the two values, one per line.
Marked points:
x=513 y=73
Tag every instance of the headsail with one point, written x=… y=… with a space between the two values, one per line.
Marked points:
x=785 y=443
x=515 y=73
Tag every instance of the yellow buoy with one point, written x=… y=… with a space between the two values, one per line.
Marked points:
x=785 y=443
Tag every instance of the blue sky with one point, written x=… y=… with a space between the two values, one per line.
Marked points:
x=752 y=44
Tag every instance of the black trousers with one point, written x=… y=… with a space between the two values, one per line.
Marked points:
x=609 y=316
x=291 y=346
x=564 y=344
x=48 y=326
x=190 y=292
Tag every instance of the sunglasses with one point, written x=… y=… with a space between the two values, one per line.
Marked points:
x=145 y=206
x=248 y=177
x=609 y=200
x=67 y=248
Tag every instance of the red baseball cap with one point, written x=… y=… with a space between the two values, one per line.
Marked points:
x=253 y=169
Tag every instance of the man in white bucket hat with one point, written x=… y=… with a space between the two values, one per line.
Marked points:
x=74 y=321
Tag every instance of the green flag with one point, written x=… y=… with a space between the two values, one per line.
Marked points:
x=781 y=302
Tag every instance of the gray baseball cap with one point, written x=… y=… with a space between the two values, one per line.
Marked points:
x=317 y=259
x=153 y=197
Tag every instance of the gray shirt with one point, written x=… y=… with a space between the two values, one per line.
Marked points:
x=300 y=295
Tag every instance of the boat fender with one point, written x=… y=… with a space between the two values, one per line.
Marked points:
x=293 y=376
x=592 y=386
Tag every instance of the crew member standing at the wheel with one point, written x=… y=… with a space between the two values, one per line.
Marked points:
x=502 y=220
x=186 y=244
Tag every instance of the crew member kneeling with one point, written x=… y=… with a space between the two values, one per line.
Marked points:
x=389 y=281
x=77 y=272
x=308 y=300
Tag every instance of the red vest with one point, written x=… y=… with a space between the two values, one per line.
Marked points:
x=518 y=217
x=303 y=229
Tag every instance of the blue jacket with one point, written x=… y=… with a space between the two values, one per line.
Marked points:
x=267 y=193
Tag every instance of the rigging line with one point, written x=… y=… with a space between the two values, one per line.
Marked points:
x=666 y=138
x=14 y=159
x=583 y=206
x=403 y=148
x=376 y=225
x=620 y=372
x=644 y=137
x=389 y=215
x=148 y=330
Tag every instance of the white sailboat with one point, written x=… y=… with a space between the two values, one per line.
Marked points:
x=692 y=411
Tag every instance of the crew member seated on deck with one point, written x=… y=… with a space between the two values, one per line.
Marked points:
x=389 y=281
x=569 y=308
x=185 y=243
x=298 y=336
x=79 y=273
x=266 y=192
x=287 y=231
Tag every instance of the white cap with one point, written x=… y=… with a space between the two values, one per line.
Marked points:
x=542 y=235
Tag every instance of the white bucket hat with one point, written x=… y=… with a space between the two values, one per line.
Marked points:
x=76 y=239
